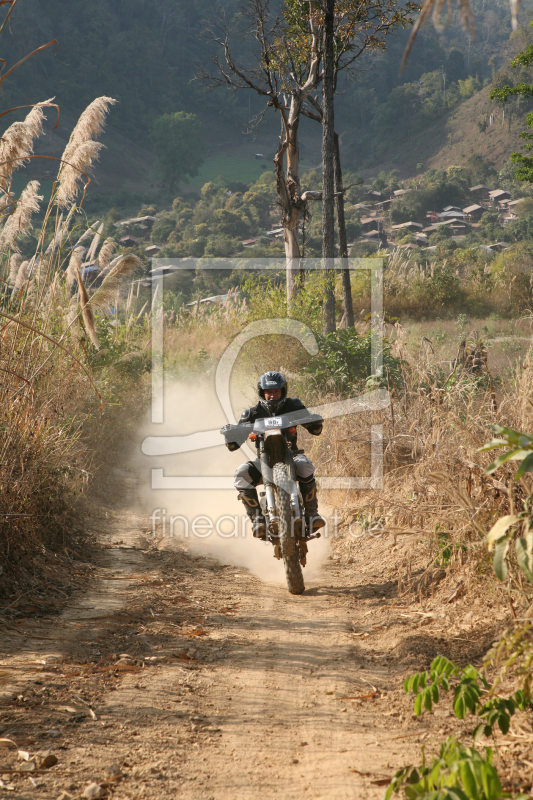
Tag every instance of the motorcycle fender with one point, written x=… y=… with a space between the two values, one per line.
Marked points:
x=275 y=446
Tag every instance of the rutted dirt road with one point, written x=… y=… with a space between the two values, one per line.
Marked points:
x=172 y=675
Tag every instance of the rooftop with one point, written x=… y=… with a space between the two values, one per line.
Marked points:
x=134 y=221
x=450 y=222
x=407 y=225
x=451 y=214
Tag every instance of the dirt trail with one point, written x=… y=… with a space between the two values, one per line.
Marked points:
x=173 y=675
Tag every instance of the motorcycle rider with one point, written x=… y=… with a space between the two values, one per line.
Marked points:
x=273 y=400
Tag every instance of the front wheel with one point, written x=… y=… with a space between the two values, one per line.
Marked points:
x=289 y=550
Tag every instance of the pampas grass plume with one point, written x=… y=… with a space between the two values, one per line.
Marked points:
x=14 y=265
x=81 y=150
x=90 y=124
x=106 y=251
x=95 y=242
x=72 y=173
x=86 y=311
x=20 y=220
x=86 y=233
x=22 y=276
x=121 y=268
x=73 y=267
x=17 y=142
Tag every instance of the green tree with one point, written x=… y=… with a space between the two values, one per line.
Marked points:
x=524 y=170
x=163 y=227
x=455 y=65
x=177 y=142
x=398 y=112
x=481 y=168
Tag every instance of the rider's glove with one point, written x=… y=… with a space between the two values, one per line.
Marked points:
x=315 y=428
x=230 y=445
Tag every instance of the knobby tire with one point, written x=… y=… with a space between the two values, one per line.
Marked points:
x=289 y=550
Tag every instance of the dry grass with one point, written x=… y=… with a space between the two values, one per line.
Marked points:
x=435 y=492
x=466 y=281
x=49 y=399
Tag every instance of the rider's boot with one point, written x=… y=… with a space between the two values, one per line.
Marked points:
x=313 y=520
x=253 y=509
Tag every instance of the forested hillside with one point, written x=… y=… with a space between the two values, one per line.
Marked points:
x=141 y=52
x=146 y=53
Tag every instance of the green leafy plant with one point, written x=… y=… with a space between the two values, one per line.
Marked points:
x=426 y=686
x=445 y=549
x=457 y=773
x=344 y=362
x=518 y=526
x=471 y=695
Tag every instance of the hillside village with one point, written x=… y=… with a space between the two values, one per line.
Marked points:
x=378 y=231
x=376 y=227
x=430 y=217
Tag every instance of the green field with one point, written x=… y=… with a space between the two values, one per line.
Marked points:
x=236 y=168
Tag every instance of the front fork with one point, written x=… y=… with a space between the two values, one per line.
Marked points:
x=268 y=480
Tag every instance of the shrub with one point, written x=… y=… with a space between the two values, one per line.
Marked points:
x=344 y=362
x=443 y=289
x=163 y=227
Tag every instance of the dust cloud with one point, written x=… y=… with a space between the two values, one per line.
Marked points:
x=191 y=408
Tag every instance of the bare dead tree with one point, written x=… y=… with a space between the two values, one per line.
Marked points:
x=357 y=28
x=328 y=150
x=273 y=73
x=342 y=238
x=283 y=65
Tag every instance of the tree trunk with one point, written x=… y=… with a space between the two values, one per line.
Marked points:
x=288 y=187
x=328 y=149
x=343 y=241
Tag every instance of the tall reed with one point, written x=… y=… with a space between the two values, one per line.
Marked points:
x=48 y=335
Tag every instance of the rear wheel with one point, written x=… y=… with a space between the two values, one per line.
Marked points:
x=289 y=550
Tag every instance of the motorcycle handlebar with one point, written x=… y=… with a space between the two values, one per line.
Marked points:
x=240 y=432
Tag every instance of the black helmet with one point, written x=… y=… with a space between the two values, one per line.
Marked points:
x=272 y=380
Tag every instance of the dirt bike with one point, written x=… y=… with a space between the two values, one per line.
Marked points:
x=281 y=502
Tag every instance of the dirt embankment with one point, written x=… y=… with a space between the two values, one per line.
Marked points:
x=172 y=674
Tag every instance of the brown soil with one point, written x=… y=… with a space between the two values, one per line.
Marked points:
x=455 y=136
x=229 y=687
